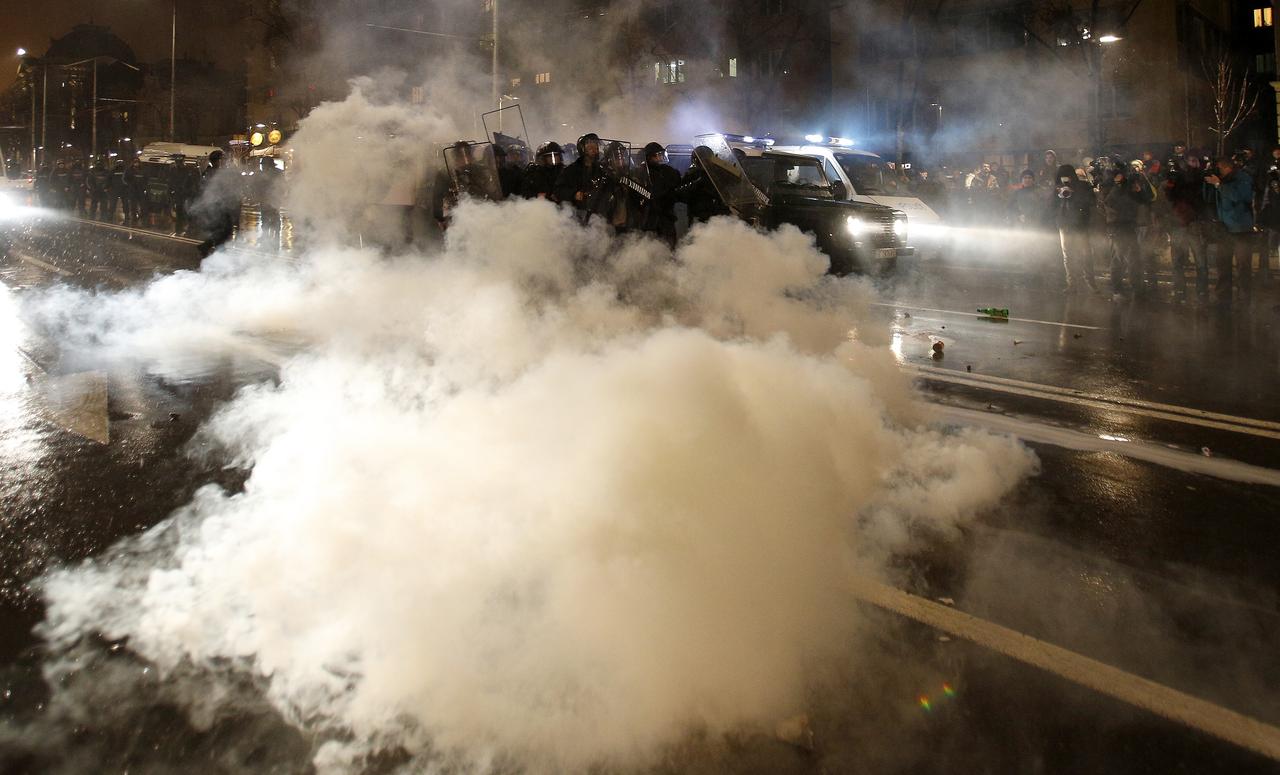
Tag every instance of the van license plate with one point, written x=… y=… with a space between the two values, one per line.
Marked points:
x=886 y=253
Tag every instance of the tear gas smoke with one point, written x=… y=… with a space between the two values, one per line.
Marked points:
x=544 y=497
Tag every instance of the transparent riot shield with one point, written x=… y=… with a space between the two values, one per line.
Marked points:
x=473 y=170
x=619 y=163
x=737 y=191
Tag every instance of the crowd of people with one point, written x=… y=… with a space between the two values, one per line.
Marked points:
x=137 y=194
x=1129 y=214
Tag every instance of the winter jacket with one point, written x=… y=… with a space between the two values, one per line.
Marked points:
x=578 y=177
x=1235 y=202
x=1071 y=205
x=1185 y=192
x=1122 y=205
x=1026 y=207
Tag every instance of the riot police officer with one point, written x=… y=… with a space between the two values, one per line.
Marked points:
x=98 y=183
x=698 y=192
x=581 y=182
x=660 y=216
x=540 y=178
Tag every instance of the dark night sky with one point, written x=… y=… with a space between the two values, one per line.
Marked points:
x=206 y=30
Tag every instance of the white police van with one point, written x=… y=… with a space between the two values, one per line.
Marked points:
x=863 y=175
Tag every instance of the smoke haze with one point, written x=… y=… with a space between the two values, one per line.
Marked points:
x=543 y=497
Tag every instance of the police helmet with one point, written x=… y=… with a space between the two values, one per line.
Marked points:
x=617 y=156
x=551 y=154
x=653 y=148
x=590 y=137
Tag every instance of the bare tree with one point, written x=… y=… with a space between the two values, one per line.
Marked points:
x=1232 y=98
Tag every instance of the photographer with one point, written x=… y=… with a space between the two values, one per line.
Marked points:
x=1233 y=198
x=1121 y=204
x=1071 y=208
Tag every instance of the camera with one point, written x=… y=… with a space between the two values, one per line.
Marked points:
x=1064 y=192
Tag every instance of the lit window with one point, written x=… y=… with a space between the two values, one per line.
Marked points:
x=541 y=78
x=515 y=83
x=671 y=71
x=416 y=96
x=733 y=67
x=1261 y=17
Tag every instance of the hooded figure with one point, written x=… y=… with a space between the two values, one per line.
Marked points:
x=1071 y=206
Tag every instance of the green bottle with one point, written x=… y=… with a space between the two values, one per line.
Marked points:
x=994 y=312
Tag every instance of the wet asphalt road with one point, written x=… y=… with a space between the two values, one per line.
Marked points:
x=1170 y=575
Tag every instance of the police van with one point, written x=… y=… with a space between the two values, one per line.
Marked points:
x=862 y=174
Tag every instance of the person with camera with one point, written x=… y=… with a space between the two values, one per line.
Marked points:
x=1233 y=197
x=1071 y=207
x=1122 y=204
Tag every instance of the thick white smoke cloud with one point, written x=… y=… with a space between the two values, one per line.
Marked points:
x=545 y=497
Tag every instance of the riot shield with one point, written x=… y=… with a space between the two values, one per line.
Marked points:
x=621 y=168
x=473 y=170
x=502 y=133
x=721 y=166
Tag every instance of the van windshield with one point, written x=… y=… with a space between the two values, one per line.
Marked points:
x=778 y=174
x=866 y=173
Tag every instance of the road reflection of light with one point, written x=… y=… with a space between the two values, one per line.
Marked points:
x=1109 y=437
x=21 y=433
x=895 y=345
x=11 y=338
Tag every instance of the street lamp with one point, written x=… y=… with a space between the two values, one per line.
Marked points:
x=22 y=52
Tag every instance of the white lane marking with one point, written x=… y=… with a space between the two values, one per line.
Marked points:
x=131 y=230
x=42 y=264
x=1186 y=415
x=1112 y=399
x=1221 y=468
x=897 y=305
x=1135 y=690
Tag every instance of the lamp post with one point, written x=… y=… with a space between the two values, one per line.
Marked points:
x=173 y=66
x=22 y=54
x=496 y=99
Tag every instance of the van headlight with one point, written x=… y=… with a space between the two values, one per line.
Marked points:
x=855 y=225
x=900 y=228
